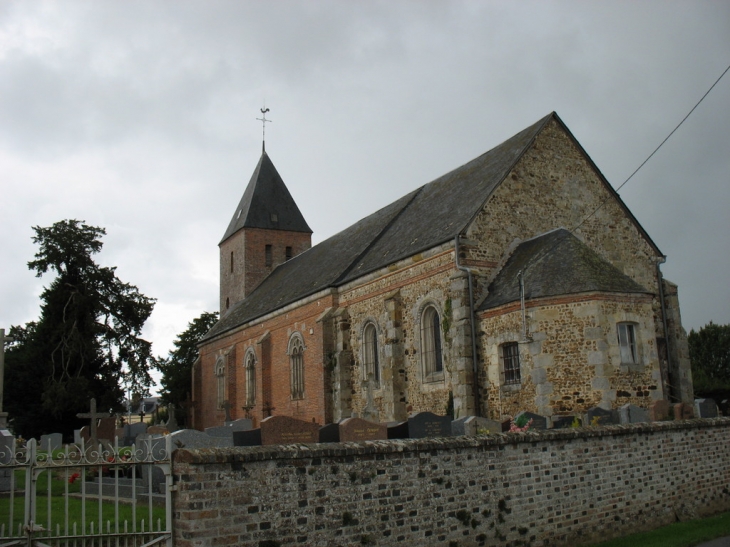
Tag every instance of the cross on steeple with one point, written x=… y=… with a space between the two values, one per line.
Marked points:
x=263 y=121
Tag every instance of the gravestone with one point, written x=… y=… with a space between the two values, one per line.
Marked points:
x=632 y=414
x=397 y=430
x=724 y=407
x=601 y=416
x=6 y=457
x=353 y=429
x=130 y=432
x=286 y=430
x=705 y=408
x=171 y=420
x=106 y=428
x=565 y=422
x=154 y=448
x=659 y=410
x=193 y=439
x=77 y=436
x=475 y=425
x=538 y=422
x=157 y=430
x=226 y=431
x=51 y=442
x=683 y=411
x=428 y=424
x=251 y=437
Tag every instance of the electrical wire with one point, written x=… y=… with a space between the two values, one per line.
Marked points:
x=655 y=150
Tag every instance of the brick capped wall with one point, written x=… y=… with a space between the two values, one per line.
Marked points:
x=561 y=487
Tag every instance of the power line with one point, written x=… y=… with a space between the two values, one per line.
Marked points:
x=655 y=150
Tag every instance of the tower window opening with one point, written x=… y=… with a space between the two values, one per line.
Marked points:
x=269 y=256
x=288 y=253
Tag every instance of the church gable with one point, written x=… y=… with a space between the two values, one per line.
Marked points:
x=556 y=185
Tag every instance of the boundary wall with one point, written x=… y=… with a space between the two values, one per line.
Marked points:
x=549 y=488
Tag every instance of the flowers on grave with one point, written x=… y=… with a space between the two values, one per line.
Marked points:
x=73 y=478
x=520 y=425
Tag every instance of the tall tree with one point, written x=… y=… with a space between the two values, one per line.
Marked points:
x=177 y=368
x=709 y=352
x=87 y=341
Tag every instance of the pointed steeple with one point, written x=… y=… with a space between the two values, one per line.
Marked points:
x=266 y=230
x=267 y=204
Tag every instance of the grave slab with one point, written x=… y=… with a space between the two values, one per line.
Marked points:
x=659 y=410
x=538 y=422
x=600 y=416
x=475 y=425
x=427 y=424
x=705 y=408
x=251 y=437
x=683 y=411
x=51 y=442
x=357 y=429
x=193 y=439
x=286 y=430
x=632 y=414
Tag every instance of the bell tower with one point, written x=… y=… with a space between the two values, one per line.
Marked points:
x=266 y=230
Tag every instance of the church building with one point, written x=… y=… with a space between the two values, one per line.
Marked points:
x=518 y=281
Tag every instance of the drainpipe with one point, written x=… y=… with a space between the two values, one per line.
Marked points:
x=522 y=305
x=474 y=358
x=660 y=281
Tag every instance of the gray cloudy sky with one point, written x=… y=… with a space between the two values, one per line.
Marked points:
x=141 y=117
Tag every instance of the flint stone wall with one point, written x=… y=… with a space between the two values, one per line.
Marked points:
x=566 y=487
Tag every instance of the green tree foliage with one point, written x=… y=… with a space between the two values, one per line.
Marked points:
x=177 y=368
x=87 y=341
x=709 y=351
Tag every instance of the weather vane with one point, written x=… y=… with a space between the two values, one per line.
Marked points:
x=263 y=121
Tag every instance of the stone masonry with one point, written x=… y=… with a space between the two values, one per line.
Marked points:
x=552 y=488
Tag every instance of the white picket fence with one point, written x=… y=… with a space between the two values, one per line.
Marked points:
x=121 y=490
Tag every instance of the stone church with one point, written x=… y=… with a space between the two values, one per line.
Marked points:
x=518 y=281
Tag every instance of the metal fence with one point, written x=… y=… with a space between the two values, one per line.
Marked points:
x=99 y=495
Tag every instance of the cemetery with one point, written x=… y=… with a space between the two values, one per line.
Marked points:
x=429 y=478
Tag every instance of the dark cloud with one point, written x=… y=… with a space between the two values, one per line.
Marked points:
x=140 y=117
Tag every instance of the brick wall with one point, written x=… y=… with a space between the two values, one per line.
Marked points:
x=269 y=340
x=243 y=260
x=561 y=487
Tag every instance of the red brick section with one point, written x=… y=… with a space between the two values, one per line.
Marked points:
x=270 y=341
x=248 y=248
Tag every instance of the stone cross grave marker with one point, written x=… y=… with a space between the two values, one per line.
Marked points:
x=3 y=415
x=227 y=408
x=370 y=412
x=171 y=420
x=93 y=416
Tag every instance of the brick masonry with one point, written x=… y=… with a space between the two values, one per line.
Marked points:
x=559 y=487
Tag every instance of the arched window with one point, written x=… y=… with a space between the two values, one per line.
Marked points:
x=296 y=361
x=431 y=355
x=220 y=379
x=371 y=364
x=250 y=368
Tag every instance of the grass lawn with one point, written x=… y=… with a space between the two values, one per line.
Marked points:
x=679 y=534
x=59 y=506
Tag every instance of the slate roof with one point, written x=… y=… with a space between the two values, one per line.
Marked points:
x=429 y=216
x=553 y=264
x=266 y=194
